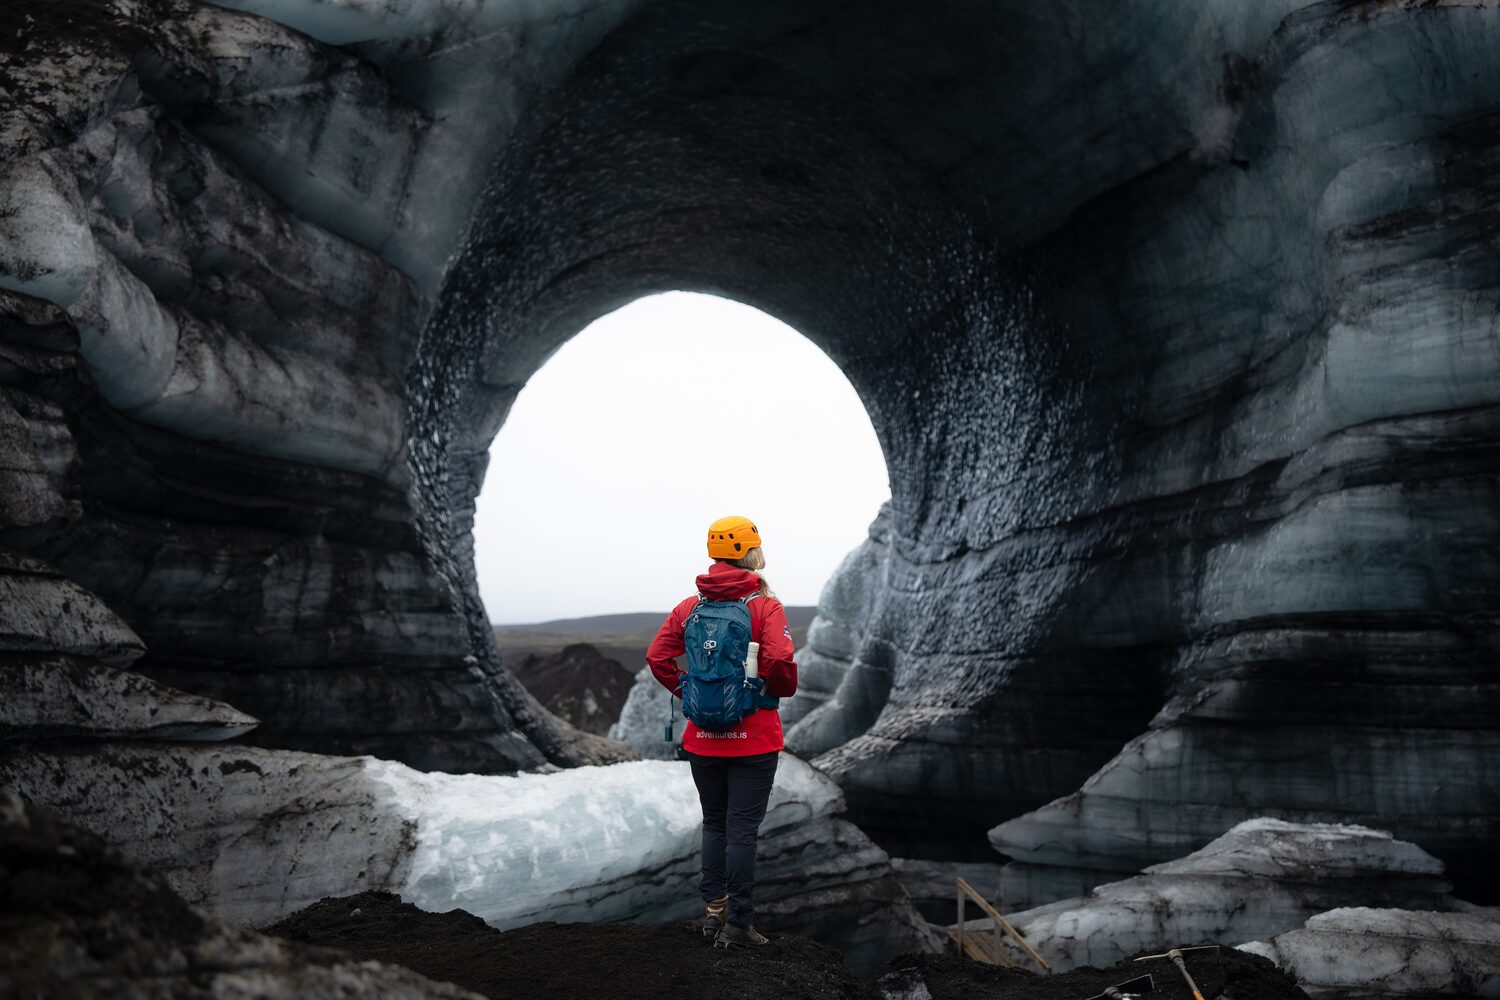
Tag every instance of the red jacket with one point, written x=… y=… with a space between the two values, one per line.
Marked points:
x=761 y=730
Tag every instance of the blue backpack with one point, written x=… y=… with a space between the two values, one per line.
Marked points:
x=716 y=694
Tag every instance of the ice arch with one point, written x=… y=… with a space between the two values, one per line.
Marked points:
x=1178 y=332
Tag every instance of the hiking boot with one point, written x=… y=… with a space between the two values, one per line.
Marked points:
x=713 y=916
x=736 y=936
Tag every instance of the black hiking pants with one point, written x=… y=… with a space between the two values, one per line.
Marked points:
x=734 y=792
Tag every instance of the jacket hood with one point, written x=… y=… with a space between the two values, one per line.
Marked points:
x=724 y=582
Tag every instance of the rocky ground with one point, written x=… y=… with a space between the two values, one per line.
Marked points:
x=577 y=683
x=641 y=962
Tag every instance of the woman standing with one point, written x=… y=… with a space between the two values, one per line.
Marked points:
x=733 y=768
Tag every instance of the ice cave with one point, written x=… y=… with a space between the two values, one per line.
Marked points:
x=1178 y=322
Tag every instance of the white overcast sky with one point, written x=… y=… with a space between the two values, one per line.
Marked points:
x=655 y=420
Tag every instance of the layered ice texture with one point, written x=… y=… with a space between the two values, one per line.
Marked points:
x=252 y=835
x=1179 y=338
x=1368 y=952
x=644 y=718
x=1261 y=878
x=613 y=843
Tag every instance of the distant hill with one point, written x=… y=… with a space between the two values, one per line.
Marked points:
x=797 y=616
x=622 y=637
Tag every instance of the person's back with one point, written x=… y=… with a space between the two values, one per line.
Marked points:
x=733 y=767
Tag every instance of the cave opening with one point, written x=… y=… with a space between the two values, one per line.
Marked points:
x=670 y=411
x=1175 y=338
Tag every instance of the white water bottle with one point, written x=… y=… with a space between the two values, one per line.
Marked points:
x=752 y=660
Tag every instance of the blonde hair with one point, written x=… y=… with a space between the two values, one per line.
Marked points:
x=754 y=561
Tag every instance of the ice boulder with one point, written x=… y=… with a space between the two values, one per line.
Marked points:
x=1262 y=877
x=594 y=843
x=1365 y=952
x=622 y=843
x=644 y=717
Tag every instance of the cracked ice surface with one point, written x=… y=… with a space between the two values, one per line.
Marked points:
x=1260 y=878
x=593 y=843
x=1365 y=952
x=1277 y=848
x=252 y=835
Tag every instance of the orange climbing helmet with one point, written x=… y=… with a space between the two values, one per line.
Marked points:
x=731 y=538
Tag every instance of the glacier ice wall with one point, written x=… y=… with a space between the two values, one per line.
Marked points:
x=1179 y=334
x=219 y=238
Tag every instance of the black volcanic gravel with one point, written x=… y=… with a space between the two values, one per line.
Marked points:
x=673 y=962
x=561 y=680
